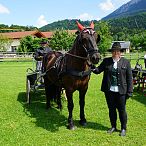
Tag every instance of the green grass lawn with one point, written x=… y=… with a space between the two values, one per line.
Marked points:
x=25 y=125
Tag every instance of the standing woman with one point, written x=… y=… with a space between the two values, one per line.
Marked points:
x=116 y=85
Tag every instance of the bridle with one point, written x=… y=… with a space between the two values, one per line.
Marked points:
x=80 y=57
x=89 y=52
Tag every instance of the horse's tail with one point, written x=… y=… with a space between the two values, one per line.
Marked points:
x=52 y=87
x=56 y=95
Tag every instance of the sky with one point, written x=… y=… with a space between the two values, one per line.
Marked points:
x=42 y=12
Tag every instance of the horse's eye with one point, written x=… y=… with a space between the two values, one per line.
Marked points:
x=92 y=32
x=86 y=31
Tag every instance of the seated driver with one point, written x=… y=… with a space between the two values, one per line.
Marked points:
x=40 y=53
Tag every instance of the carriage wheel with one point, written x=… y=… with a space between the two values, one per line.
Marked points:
x=28 y=91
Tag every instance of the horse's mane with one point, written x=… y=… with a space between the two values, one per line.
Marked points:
x=76 y=44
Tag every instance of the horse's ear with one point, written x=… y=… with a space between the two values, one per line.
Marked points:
x=98 y=38
x=80 y=26
x=92 y=25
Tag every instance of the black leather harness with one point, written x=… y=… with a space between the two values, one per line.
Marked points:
x=60 y=66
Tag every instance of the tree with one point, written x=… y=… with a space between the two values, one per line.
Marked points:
x=26 y=44
x=29 y=44
x=106 y=38
x=4 y=43
x=61 y=40
x=139 y=41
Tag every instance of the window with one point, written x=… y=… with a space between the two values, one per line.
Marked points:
x=13 y=48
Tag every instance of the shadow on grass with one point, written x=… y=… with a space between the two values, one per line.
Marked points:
x=92 y=125
x=139 y=96
x=50 y=119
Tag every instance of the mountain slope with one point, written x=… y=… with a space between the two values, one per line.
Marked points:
x=64 y=24
x=131 y=8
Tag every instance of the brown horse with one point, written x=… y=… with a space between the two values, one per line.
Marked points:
x=72 y=70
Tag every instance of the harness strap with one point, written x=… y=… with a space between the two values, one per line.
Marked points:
x=78 y=73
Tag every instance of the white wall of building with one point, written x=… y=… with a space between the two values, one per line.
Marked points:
x=14 y=44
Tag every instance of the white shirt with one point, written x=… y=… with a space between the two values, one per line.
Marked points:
x=145 y=56
x=115 y=88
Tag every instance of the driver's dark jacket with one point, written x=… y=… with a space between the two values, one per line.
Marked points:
x=124 y=75
x=41 y=52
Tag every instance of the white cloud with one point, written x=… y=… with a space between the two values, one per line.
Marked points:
x=41 y=21
x=106 y=6
x=3 y=9
x=97 y=18
x=86 y=16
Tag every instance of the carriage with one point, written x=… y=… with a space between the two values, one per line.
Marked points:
x=139 y=76
x=34 y=81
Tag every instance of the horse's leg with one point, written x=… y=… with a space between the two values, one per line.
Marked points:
x=58 y=94
x=70 y=109
x=47 y=91
x=82 y=94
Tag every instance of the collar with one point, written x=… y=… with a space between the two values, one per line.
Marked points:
x=116 y=60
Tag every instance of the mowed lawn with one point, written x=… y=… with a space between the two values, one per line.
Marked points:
x=24 y=125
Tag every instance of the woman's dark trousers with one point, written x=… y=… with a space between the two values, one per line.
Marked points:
x=116 y=101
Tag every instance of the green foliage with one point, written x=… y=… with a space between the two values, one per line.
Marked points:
x=13 y=28
x=29 y=44
x=130 y=24
x=61 y=40
x=106 y=39
x=4 y=43
x=26 y=44
x=138 y=41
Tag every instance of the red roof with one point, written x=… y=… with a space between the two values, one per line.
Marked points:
x=47 y=34
x=19 y=35
x=50 y=34
x=72 y=31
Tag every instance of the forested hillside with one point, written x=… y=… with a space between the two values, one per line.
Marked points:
x=133 y=7
x=64 y=24
x=130 y=25
x=14 y=28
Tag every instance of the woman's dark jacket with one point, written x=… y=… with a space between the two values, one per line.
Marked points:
x=124 y=75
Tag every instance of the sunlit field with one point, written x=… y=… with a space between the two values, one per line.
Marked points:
x=27 y=125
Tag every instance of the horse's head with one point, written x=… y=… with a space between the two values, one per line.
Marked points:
x=88 y=40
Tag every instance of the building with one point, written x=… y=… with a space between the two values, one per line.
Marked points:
x=15 y=37
x=124 y=45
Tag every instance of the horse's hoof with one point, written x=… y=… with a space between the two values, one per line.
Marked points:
x=71 y=127
x=83 y=123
